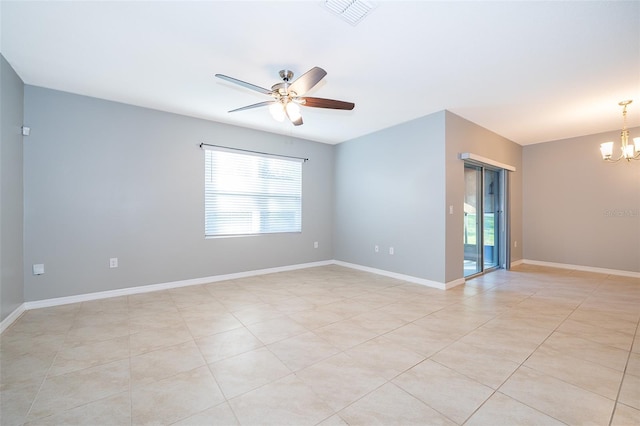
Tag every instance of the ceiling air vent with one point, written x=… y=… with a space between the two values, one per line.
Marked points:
x=352 y=11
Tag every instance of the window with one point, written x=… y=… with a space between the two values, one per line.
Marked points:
x=251 y=194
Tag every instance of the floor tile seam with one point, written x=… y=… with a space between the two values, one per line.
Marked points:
x=337 y=412
x=571 y=383
x=456 y=340
x=624 y=374
x=515 y=398
x=236 y=397
x=135 y=354
x=494 y=390
x=210 y=364
x=390 y=382
x=312 y=329
x=588 y=361
x=69 y=408
x=594 y=322
x=568 y=315
x=122 y=358
x=586 y=336
x=131 y=357
x=262 y=345
x=84 y=404
x=345 y=352
x=202 y=354
x=497 y=391
x=215 y=380
x=522 y=364
x=604 y=329
x=340 y=351
x=46 y=375
x=25 y=416
x=626 y=406
x=593 y=343
x=296 y=334
x=424 y=402
x=258 y=322
x=197 y=413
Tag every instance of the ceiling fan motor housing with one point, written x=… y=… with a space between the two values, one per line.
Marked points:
x=286 y=75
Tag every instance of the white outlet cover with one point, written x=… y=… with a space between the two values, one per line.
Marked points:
x=113 y=262
x=38 y=269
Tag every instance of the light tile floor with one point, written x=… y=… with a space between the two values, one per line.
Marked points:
x=334 y=346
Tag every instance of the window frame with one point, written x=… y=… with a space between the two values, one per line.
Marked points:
x=255 y=185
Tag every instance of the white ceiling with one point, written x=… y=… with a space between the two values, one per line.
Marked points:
x=529 y=71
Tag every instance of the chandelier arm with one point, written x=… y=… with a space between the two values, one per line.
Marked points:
x=610 y=160
x=629 y=151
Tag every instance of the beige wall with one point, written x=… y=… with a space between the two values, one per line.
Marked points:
x=578 y=209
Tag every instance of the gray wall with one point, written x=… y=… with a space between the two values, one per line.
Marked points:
x=465 y=136
x=394 y=188
x=390 y=191
x=11 y=190
x=578 y=209
x=104 y=179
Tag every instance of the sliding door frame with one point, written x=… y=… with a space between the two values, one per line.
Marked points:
x=502 y=217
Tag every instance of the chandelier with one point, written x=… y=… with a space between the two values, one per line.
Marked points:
x=629 y=151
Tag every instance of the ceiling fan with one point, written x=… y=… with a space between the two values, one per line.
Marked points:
x=288 y=95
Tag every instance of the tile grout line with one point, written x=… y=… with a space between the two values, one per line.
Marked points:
x=624 y=374
x=46 y=375
x=529 y=356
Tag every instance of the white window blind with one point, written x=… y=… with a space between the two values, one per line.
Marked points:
x=251 y=194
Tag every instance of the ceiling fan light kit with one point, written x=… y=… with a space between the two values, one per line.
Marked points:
x=287 y=97
x=629 y=151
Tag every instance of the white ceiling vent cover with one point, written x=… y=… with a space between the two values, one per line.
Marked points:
x=352 y=11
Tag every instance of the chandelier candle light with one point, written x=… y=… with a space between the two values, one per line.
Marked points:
x=629 y=151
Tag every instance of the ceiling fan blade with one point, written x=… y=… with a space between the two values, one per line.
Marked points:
x=245 y=84
x=306 y=81
x=259 y=104
x=327 y=103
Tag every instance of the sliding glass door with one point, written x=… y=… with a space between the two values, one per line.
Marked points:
x=472 y=224
x=491 y=217
x=482 y=219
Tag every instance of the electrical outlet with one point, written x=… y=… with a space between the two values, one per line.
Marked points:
x=113 y=262
x=315 y=244
x=391 y=250
x=515 y=244
x=376 y=248
x=38 y=269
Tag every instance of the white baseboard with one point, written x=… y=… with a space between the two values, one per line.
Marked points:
x=46 y=303
x=409 y=278
x=517 y=262
x=165 y=286
x=582 y=268
x=12 y=317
